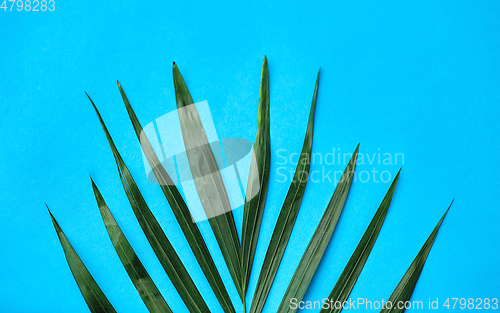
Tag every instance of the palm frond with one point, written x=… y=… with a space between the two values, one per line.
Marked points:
x=351 y=272
x=182 y=214
x=319 y=241
x=405 y=288
x=145 y=286
x=286 y=218
x=239 y=258
x=208 y=180
x=93 y=295
x=162 y=247
x=258 y=180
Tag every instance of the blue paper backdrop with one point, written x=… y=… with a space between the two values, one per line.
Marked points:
x=418 y=79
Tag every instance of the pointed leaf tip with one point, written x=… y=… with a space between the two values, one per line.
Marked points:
x=146 y=288
x=404 y=290
x=91 y=101
x=54 y=221
x=175 y=69
x=354 y=267
x=49 y=210
x=448 y=207
x=93 y=295
x=396 y=178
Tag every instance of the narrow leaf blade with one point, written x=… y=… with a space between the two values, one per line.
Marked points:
x=208 y=180
x=258 y=179
x=93 y=295
x=286 y=218
x=181 y=212
x=145 y=286
x=405 y=288
x=162 y=247
x=319 y=241
x=351 y=272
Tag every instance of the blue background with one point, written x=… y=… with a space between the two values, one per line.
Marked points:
x=420 y=78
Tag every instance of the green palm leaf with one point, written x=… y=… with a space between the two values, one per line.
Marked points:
x=405 y=288
x=351 y=272
x=258 y=180
x=93 y=295
x=286 y=218
x=145 y=286
x=239 y=258
x=319 y=241
x=158 y=240
x=208 y=180
x=182 y=214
